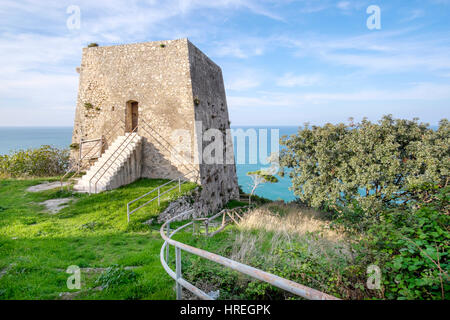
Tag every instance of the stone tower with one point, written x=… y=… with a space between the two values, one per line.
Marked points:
x=155 y=89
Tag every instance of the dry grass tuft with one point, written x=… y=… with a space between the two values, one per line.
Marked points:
x=290 y=220
x=277 y=236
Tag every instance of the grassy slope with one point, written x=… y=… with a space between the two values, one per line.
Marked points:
x=36 y=248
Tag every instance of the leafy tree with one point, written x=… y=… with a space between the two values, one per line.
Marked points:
x=366 y=167
x=259 y=177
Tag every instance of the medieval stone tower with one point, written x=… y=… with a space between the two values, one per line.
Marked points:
x=131 y=100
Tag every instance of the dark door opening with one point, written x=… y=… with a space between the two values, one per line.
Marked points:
x=132 y=116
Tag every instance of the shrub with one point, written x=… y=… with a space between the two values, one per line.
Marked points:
x=92 y=44
x=413 y=246
x=43 y=161
x=365 y=167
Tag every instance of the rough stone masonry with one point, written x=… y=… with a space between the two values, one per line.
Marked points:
x=158 y=87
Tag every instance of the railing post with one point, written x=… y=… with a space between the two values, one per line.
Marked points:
x=179 y=184
x=128 y=213
x=178 y=272
x=168 y=245
x=159 y=201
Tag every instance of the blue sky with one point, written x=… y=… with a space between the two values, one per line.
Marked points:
x=284 y=62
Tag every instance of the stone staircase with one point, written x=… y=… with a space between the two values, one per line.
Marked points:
x=119 y=165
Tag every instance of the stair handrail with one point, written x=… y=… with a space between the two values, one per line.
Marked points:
x=182 y=161
x=183 y=177
x=79 y=162
x=112 y=154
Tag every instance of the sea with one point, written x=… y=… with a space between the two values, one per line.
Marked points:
x=16 y=138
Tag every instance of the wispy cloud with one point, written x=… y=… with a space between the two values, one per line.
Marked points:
x=413 y=15
x=240 y=47
x=243 y=80
x=421 y=91
x=290 y=80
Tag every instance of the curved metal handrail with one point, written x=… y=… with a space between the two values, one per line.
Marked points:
x=112 y=154
x=285 y=284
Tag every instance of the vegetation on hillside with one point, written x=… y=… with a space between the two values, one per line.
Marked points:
x=45 y=161
x=386 y=185
x=289 y=241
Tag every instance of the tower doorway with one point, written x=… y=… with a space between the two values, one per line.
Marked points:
x=131 y=116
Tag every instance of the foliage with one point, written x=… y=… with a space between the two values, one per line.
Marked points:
x=315 y=257
x=115 y=276
x=387 y=184
x=74 y=146
x=92 y=44
x=43 y=161
x=413 y=246
x=259 y=177
x=367 y=166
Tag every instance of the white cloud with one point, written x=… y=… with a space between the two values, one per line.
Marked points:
x=244 y=81
x=240 y=47
x=343 y=5
x=421 y=91
x=290 y=80
x=391 y=52
x=413 y=15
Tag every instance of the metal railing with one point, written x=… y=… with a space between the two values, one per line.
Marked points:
x=181 y=180
x=279 y=282
x=92 y=148
x=115 y=154
x=79 y=165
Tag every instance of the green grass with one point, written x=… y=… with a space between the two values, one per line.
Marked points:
x=36 y=248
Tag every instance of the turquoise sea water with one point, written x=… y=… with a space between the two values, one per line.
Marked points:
x=15 y=138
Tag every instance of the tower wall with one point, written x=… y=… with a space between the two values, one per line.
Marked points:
x=220 y=180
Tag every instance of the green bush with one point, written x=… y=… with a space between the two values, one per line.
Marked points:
x=43 y=161
x=367 y=166
x=412 y=247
